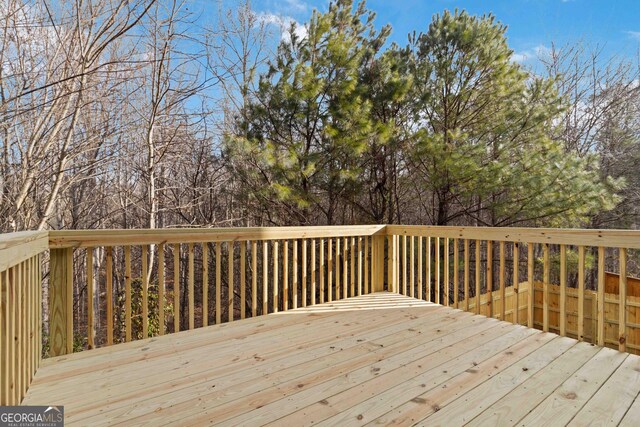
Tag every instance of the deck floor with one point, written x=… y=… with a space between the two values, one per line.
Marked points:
x=375 y=359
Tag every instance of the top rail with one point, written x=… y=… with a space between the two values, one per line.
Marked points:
x=89 y=238
x=18 y=247
x=570 y=236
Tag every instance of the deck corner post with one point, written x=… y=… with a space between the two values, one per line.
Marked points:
x=61 y=302
x=378 y=263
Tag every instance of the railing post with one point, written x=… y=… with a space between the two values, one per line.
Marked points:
x=378 y=264
x=392 y=279
x=61 y=302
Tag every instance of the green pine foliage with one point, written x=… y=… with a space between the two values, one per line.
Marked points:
x=482 y=145
x=311 y=120
x=340 y=119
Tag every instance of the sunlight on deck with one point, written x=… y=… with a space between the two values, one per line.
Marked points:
x=381 y=358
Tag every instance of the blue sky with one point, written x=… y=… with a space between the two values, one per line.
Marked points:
x=532 y=24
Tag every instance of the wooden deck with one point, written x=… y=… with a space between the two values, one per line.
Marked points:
x=380 y=359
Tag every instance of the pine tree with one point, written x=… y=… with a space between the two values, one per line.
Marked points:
x=481 y=144
x=311 y=120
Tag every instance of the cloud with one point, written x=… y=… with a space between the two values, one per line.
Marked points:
x=284 y=23
x=540 y=51
x=296 y=5
x=519 y=57
x=633 y=34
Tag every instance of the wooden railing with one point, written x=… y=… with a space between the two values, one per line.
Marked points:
x=20 y=312
x=153 y=282
x=104 y=287
x=467 y=268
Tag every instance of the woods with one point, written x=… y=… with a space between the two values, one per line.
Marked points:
x=139 y=114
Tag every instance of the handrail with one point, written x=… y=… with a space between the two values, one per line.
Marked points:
x=568 y=236
x=84 y=238
x=17 y=247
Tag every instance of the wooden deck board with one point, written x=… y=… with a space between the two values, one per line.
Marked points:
x=222 y=358
x=521 y=400
x=234 y=384
x=381 y=358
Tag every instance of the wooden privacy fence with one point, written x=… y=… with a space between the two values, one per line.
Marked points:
x=103 y=287
x=467 y=267
x=491 y=306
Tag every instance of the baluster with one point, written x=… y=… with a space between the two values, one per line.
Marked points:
x=313 y=272
x=230 y=287
x=516 y=272
x=191 y=285
x=205 y=284
x=404 y=264
x=90 y=320
x=489 y=278
x=11 y=333
x=27 y=325
x=109 y=294
x=437 y=272
x=580 y=293
x=285 y=276
x=20 y=330
x=345 y=268
x=265 y=277
x=366 y=265
x=4 y=341
x=295 y=275
x=563 y=291
x=304 y=273
x=622 y=302
x=456 y=278
x=176 y=287
x=218 y=283
x=34 y=286
x=428 y=249
x=446 y=271
x=275 y=295
x=478 y=247
x=503 y=304
x=352 y=285
x=466 y=274
x=359 y=265
x=532 y=287
x=391 y=262
x=243 y=279
x=337 y=258
x=545 y=288
x=161 y=289
x=329 y=270
x=413 y=272
x=254 y=278
x=601 y=285
x=127 y=293
x=322 y=266
x=420 y=267
x=145 y=290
